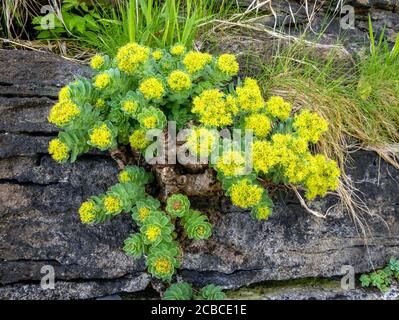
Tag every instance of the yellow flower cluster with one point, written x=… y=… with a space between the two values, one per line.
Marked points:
x=201 y=141
x=112 y=204
x=101 y=136
x=64 y=93
x=157 y=55
x=196 y=61
x=262 y=213
x=124 y=177
x=323 y=176
x=149 y=122
x=138 y=140
x=100 y=103
x=259 y=123
x=144 y=213
x=177 y=50
x=163 y=266
x=214 y=109
x=153 y=232
x=278 y=108
x=87 y=212
x=249 y=96
x=179 y=80
x=130 y=56
x=244 y=194
x=231 y=163
x=97 y=62
x=228 y=64
x=310 y=125
x=130 y=106
x=63 y=112
x=282 y=150
x=58 y=150
x=152 y=88
x=263 y=156
x=102 y=81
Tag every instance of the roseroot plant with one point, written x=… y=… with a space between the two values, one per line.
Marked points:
x=184 y=291
x=141 y=89
x=382 y=279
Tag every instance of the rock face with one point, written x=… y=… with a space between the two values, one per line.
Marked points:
x=39 y=225
x=346 y=21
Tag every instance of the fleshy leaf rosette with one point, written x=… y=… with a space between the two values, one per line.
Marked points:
x=179 y=291
x=157 y=228
x=196 y=225
x=211 y=292
x=134 y=246
x=178 y=205
x=162 y=260
x=144 y=208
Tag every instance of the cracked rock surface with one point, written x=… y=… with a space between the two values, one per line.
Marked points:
x=39 y=224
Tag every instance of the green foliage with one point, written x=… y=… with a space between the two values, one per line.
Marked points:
x=184 y=291
x=179 y=291
x=107 y=27
x=382 y=279
x=178 y=205
x=211 y=292
x=196 y=225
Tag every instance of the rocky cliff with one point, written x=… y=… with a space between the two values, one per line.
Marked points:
x=39 y=224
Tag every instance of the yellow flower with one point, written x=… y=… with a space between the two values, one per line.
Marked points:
x=323 y=176
x=262 y=213
x=228 y=64
x=152 y=88
x=101 y=136
x=63 y=112
x=64 y=93
x=58 y=150
x=263 y=156
x=87 y=212
x=130 y=106
x=157 y=55
x=124 y=176
x=213 y=109
x=278 y=108
x=196 y=61
x=310 y=126
x=244 y=194
x=177 y=50
x=112 y=204
x=259 y=123
x=298 y=169
x=150 y=122
x=249 y=96
x=231 y=163
x=153 y=232
x=102 y=81
x=100 y=103
x=138 y=140
x=97 y=62
x=179 y=80
x=130 y=56
x=201 y=141
x=144 y=213
x=163 y=266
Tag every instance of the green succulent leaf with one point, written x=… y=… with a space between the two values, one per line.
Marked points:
x=211 y=292
x=178 y=205
x=196 y=225
x=179 y=291
x=157 y=228
x=134 y=246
